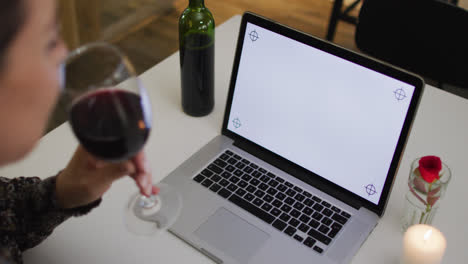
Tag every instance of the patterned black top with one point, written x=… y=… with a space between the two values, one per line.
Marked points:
x=29 y=212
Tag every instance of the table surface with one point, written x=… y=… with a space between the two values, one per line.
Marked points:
x=440 y=128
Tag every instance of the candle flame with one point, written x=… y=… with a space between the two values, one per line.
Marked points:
x=427 y=235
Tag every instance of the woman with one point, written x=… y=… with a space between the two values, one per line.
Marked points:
x=30 y=54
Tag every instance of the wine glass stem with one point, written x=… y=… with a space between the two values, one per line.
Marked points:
x=147 y=202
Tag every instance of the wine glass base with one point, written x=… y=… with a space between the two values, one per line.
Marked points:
x=150 y=215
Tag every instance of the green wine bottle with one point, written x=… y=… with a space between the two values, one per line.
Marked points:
x=196 y=44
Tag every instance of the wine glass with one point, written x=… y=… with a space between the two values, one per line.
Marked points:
x=110 y=114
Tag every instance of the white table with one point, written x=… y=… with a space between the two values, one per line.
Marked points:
x=440 y=128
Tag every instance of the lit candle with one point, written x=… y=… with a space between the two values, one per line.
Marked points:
x=423 y=244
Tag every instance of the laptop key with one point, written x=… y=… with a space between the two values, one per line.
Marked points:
x=327 y=212
x=291 y=192
x=286 y=208
x=309 y=242
x=230 y=168
x=199 y=178
x=295 y=213
x=215 y=187
x=232 y=161
x=234 y=179
x=336 y=209
x=215 y=168
x=298 y=206
x=267 y=198
x=256 y=174
x=304 y=218
x=252 y=209
x=245 y=161
x=224 y=157
x=326 y=221
x=333 y=233
x=319 y=236
x=243 y=184
x=246 y=177
x=267 y=207
x=207 y=183
x=289 y=201
x=285 y=217
x=307 y=211
x=297 y=189
x=324 y=229
x=340 y=219
x=318 y=200
x=308 y=202
x=240 y=192
x=299 y=197
x=258 y=202
x=336 y=226
x=255 y=182
x=326 y=204
x=271 y=175
x=298 y=238
x=253 y=165
x=273 y=183
x=318 y=207
x=278 y=179
x=259 y=193
x=345 y=214
x=282 y=188
x=317 y=216
x=265 y=178
x=262 y=170
x=207 y=173
x=280 y=196
x=237 y=157
x=290 y=231
x=272 y=191
x=226 y=175
x=240 y=165
x=304 y=228
x=251 y=189
x=228 y=152
x=290 y=185
x=277 y=203
x=224 y=183
x=216 y=178
x=307 y=194
x=220 y=163
x=232 y=187
x=275 y=211
x=318 y=249
x=263 y=187
x=249 y=197
x=248 y=169
x=280 y=225
x=224 y=193
x=314 y=223
x=294 y=222
x=238 y=173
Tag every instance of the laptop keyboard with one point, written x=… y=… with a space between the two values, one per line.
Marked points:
x=297 y=213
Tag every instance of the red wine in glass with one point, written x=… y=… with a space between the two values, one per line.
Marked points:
x=111 y=124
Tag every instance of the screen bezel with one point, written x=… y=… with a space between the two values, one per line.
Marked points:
x=296 y=170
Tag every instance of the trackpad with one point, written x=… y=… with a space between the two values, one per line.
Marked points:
x=232 y=235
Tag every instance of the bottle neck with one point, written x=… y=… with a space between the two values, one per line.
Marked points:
x=196 y=3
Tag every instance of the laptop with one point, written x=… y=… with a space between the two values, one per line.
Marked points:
x=308 y=152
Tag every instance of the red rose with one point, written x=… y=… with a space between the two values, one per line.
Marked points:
x=429 y=167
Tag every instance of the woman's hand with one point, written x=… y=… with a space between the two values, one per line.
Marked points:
x=86 y=179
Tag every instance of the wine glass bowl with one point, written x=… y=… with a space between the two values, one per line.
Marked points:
x=110 y=115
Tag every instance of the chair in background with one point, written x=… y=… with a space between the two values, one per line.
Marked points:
x=427 y=37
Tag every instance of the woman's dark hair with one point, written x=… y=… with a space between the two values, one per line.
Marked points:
x=11 y=21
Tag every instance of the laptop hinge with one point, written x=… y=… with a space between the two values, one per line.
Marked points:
x=300 y=173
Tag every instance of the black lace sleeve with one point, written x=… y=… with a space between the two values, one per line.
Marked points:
x=29 y=212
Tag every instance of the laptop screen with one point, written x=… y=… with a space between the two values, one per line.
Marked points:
x=333 y=117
